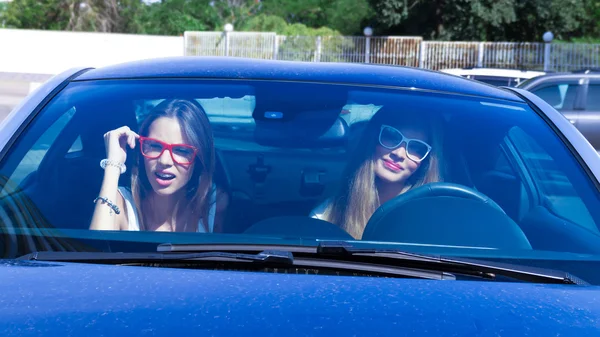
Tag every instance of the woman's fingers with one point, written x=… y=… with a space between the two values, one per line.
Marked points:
x=130 y=140
x=127 y=134
x=123 y=135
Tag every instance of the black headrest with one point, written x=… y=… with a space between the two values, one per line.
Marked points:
x=107 y=117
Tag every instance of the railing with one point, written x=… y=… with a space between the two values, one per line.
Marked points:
x=570 y=56
x=395 y=50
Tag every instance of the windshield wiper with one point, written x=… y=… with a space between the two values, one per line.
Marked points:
x=262 y=259
x=457 y=265
x=328 y=255
x=346 y=251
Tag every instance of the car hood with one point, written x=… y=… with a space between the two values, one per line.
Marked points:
x=71 y=299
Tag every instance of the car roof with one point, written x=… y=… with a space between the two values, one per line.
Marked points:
x=575 y=75
x=571 y=75
x=493 y=72
x=325 y=72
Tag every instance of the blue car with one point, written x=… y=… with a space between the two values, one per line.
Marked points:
x=228 y=197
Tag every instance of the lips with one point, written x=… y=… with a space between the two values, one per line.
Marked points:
x=164 y=178
x=392 y=166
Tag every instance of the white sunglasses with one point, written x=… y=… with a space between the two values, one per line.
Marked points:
x=390 y=138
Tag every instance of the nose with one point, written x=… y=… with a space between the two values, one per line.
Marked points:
x=400 y=152
x=165 y=158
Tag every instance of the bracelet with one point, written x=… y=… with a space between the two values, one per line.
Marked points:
x=108 y=203
x=105 y=162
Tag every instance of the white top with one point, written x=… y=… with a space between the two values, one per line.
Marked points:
x=318 y=211
x=134 y=224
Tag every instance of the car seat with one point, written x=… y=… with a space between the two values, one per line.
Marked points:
x=77 y=176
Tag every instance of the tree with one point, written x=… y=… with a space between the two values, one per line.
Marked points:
x=506 y=20
x=37 y=14
x=439 y=19
x=266 y=23
x=272 y=23
x=121 y=16
x=565 y=18
x=346 y=16
x=91 y=15
x=173 y=17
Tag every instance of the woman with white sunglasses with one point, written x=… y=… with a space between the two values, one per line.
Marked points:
x=399 y=150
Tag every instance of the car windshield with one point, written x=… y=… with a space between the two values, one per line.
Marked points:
x=124 y=165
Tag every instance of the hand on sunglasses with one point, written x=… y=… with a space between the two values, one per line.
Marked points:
x=116 y=141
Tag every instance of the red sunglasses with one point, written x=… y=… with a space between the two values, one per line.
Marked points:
x=181 y=154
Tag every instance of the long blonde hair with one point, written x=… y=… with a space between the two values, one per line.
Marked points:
x=358 y=197
x=196 y=127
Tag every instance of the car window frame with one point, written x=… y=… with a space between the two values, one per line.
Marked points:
x=58 y=146
x=589 y=81
x=534 y=190
x=579 y=94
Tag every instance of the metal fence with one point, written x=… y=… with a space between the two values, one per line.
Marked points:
x=395 y=50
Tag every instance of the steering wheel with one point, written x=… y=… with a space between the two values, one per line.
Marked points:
x=445 y=214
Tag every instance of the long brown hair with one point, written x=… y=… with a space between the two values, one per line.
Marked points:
x=358 y=197
x=198 y=133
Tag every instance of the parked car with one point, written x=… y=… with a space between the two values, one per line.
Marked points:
x=576 y=95
x=495 y=230
x=495 y=76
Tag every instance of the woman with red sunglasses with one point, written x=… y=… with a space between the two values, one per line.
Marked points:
x=172 y=185
x=397 y=151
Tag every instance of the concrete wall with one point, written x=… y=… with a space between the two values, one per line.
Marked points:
x=29 y=57
x=51 y=52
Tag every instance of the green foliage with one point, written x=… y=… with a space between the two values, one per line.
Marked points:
x=565 y=18
x=118 y=16
x=478 y=20
x=3 y=6
x=272 y=23
x=174 y=17
x=298 y=29
x=91 y=15
x=470 y=20
x=345 y=16
x=37 y=14
x=266 y=23
x=588 y=39
x=499 y=20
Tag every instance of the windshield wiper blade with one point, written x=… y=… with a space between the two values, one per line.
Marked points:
x=263 y=257
x=343 y=250
x=457 y=265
